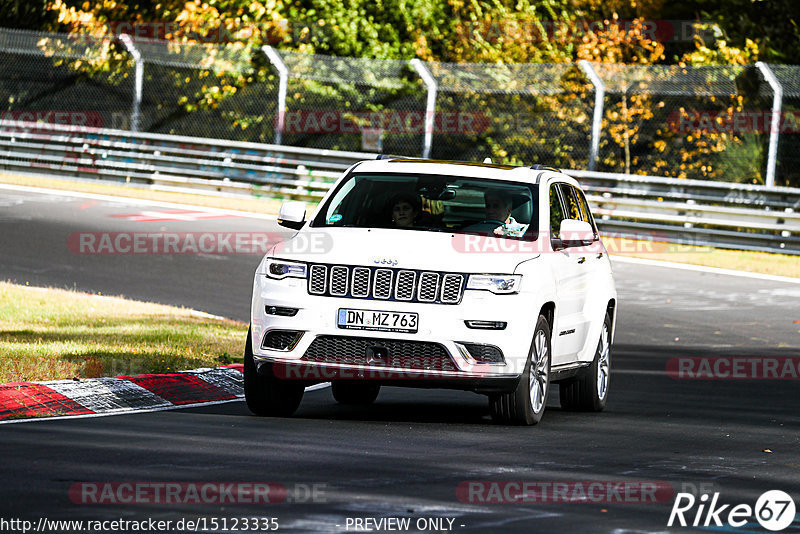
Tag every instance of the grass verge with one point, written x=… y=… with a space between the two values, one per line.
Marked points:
x=51 y=334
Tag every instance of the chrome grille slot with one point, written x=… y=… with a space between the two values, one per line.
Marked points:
x=404 y=287
x=318 y=280
x=339 y=277
x=359 y=287
x=428 y=285
x=451 y=288
x=382 y=287
x=386 y=283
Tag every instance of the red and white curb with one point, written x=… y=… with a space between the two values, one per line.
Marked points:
x=23 y=401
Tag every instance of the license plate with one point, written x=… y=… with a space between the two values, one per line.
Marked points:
x=385 y=321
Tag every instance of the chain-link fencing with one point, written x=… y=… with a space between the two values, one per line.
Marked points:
x=730 y=123
x=518 y=113
x=205 y=90
x=353 y=104
x=80 y=81
x=788 y=142
x=684 y=122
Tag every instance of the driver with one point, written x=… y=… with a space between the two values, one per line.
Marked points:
x=498 y=209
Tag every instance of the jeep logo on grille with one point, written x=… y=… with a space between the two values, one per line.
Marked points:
x=385 y=261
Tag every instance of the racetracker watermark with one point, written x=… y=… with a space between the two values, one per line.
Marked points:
x=613 y=243
x=217 y=243
x=147 y=31
x=579 y=31
x=734 y=368
x=22 y=118
x=387 y=121
x=553 y=491
x=175 y=493
x=698 y=121
x=408 y=369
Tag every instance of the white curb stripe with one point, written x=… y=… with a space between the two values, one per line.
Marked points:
x=711 y=270
x=107 y=394
x=137 y=201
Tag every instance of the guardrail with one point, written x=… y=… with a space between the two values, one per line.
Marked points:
x=719 y=214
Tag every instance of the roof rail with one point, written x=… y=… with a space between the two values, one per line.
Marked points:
x=391 y=156
x=540 y=167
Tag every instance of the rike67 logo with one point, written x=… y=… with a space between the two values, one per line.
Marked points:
x=774 y=510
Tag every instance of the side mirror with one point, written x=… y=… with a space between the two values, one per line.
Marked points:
x=292 y=214
x=574 y=233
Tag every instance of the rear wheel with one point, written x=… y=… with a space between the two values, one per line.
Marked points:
x=265 y=394
x=525 y=405
x=589 y=392
x=355 y=392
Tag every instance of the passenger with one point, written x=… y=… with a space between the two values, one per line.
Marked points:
x=498 y=209
x=405 y=209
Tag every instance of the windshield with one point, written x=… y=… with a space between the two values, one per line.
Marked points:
x=432 y=203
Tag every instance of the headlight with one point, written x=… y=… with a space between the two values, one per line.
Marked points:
x=282 y=269
x=496 y=283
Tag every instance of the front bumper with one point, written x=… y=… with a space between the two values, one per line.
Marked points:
x=441 y=325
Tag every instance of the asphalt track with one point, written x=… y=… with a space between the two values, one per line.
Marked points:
x=406 y=456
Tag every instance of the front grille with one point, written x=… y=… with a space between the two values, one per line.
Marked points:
x=383 y=283
x=415 y=355
x=485 y=353
x=281 y=339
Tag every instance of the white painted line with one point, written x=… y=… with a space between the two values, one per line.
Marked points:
x=204 y=315
x=136 y=201
x=703 y=269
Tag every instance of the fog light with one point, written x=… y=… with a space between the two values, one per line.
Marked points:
x=284 y=340
x=478 y=353
x=487 y=325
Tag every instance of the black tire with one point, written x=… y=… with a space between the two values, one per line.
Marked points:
x=265 y=394
x=589 y=391
x=363 y=393
x=526 y=404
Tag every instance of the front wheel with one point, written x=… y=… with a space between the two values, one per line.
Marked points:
x=525 y=405
x=265 y=394
x=589 y=392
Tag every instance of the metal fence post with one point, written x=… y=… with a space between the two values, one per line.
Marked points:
x=138 y=80
x=283 y=84
x=430 y=105
x=597 y=114
x=775 y=124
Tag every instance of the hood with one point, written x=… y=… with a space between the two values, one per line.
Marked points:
x=407 y=249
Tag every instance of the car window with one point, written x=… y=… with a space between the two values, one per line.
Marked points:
x=432 y=203
x=586 y=213
x=571 y=202
x=556 y=211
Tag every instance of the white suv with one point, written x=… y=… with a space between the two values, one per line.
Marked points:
x=480 y=277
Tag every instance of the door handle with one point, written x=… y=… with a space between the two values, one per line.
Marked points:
x=582 y=259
